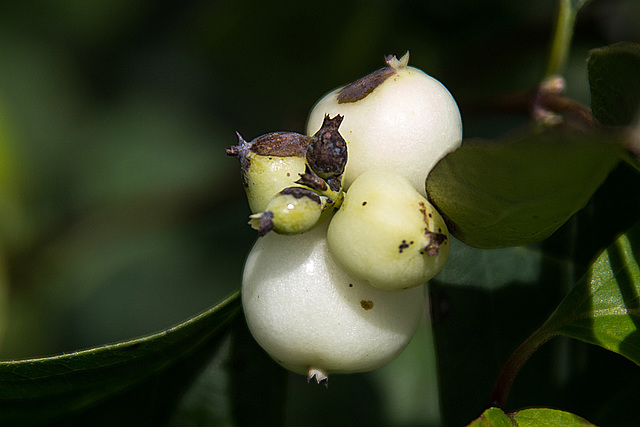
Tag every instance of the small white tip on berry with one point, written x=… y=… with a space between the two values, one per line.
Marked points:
x=396 y=63
x=321 y=376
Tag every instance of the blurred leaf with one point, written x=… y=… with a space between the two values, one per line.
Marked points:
x=519 y=189
x=535 y=417
x=604 y=307
x=36 y=390
x=615 y=86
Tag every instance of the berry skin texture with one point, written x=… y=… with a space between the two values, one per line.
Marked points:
x=396 y=118
x=387 y=234
x=312 y=318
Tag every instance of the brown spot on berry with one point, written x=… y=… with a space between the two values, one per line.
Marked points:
x=435 y=240
x=404 y=245
x=367 y=305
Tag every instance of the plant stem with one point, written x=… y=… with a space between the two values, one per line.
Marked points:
x=563 y=33
x=517 y=360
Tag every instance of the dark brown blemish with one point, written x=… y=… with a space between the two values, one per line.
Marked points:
x=367 y=305
x=404 y=245
x=364 y=86
x=423 y=211
x=364 y=203
x=351 y=285
x=435 y=240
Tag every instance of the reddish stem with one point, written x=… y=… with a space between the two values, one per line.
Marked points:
x=507 y=375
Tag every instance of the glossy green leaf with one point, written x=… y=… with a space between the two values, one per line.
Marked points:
x=535 y=417
x=604 y=306
x=614 y=83
x=519 y=189
x=37 y=390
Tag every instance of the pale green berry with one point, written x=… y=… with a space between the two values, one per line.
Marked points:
x=388 y=234
x=270 y=163
x=397 y=118
x=291 y=211
x=313 y=318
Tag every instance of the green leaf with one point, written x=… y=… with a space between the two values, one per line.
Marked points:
x=538 y=417
x=604 y=306
x=519 y=189
x=492 y=417
x=615 y=86
x=535 y=417
x=37 y=390
x=485 y=303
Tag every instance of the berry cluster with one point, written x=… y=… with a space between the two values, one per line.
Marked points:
x=337 y=286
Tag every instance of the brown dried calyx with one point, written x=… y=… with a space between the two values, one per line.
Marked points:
x=327 y=151
x=272 y=198
x=365 y=85
x=278 y=144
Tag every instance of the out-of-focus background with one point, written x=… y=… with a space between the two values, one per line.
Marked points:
x=120 y=213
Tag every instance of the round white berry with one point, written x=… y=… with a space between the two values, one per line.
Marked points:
x=397 y=118
x=313 y=318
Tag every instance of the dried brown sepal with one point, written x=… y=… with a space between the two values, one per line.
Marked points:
x=364 y=86
x=241 y=151
x=311 y=180
x=262 y=222
x=281 y=144
x=300 y=192
x=335 y=183
x=327 y=150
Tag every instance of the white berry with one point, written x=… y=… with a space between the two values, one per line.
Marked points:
x=387 y=234
x=313 y=318
x=397 y=118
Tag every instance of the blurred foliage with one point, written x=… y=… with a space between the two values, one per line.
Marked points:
x=122 y=215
